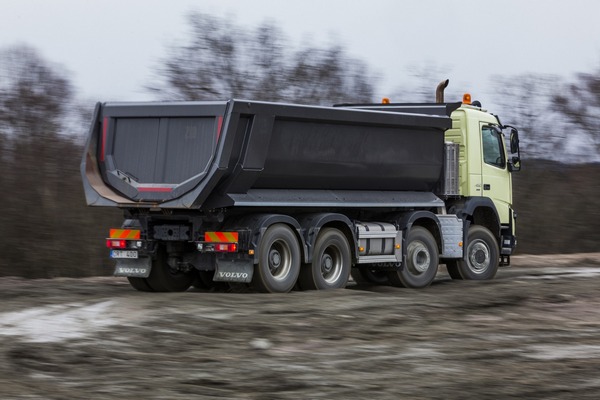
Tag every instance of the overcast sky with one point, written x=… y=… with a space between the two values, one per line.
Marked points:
x=111 y=47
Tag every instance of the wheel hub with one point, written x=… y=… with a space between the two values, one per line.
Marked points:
x=421 y=261
x=479 y=257
x=274 y=259
x=419 y=255
x=326 y=263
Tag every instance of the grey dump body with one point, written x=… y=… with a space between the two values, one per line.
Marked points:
x=211 y=155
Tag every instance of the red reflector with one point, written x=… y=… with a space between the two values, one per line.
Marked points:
x=219 y=126
x=116 y=244
x=226 y=247
x=154 y=189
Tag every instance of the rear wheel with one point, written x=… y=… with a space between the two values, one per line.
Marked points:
x=421 y=263
x=279 y=260
x=164 y=278
x=330 y=267
x=481 y=258
x=372 y=276
x=140 y=284
x=204 y=281
x=452 y=268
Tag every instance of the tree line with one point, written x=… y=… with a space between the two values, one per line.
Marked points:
x=48 y=231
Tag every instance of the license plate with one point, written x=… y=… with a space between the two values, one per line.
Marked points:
x=123 y=254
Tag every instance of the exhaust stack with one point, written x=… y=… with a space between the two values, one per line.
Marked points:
x=439 y=91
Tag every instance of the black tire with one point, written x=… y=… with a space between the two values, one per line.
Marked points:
x=421 y=264
x=452 y=268
x=140 y=284
x=163 y=278
x=204 y=281
x=331 y=262
x=369 y=276
x=279 y=260
x=481 y=259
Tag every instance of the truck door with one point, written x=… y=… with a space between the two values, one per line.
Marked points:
x=495 y=177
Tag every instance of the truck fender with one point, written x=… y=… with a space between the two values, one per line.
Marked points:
x=312 y=223
x=479 y=211
x=259 y=223
x=428 y=220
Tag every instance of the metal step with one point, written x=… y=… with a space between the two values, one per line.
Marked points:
x=378 y=259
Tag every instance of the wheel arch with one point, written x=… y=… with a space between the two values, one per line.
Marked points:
x=313 y=223
x=425 y=219
x=479 y=211
x=259 y=223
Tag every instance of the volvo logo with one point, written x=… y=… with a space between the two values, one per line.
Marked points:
x=234 y=275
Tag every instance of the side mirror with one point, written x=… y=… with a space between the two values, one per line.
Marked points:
x=514 y=141
x=514 y=165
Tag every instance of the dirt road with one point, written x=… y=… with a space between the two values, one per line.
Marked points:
x=533 y=332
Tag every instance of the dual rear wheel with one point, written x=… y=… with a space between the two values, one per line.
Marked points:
x=330 y=266
x=279 y=260
x=279 y=267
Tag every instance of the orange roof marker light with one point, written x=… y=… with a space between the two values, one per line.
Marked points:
x=466 y=98
x=385 y=100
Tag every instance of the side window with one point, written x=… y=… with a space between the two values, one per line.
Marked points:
x=493 y=152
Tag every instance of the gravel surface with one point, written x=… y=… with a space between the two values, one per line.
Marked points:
x=533 y=332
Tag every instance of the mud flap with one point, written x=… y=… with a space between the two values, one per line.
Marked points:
x=134 y=267
x=235 y=270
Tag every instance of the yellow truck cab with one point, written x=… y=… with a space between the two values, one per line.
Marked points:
x=485 y=172
x=484 y=168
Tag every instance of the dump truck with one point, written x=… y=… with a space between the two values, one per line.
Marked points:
x=284 y=196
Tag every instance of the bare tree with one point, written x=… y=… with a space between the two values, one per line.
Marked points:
x=223 y=60
x=46 y=227
x=526 y=101
x=34 y=95
x=579 y=102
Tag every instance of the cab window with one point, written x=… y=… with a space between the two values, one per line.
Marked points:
x=493 y=152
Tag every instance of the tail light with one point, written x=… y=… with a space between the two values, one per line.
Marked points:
x=116 y=243
x=226 y=247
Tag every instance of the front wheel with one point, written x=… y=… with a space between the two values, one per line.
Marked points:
x=421 y=263
x=330 y=266
x=279 y=260
x=481 y=258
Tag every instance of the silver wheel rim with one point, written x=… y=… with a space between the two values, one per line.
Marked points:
x=331 y=264
x=280 y=260
x=479 y=256
x=420 y=258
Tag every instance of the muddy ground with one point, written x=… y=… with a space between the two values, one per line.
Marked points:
x=533 y=332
